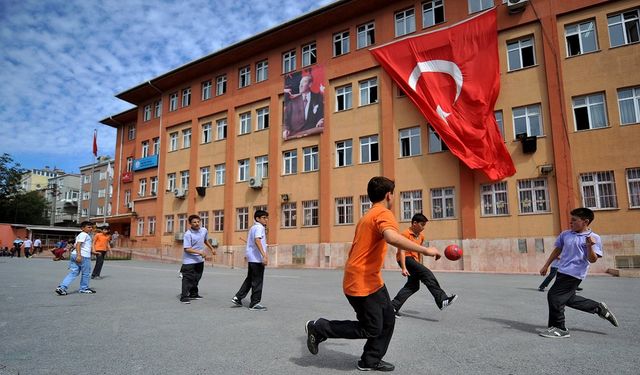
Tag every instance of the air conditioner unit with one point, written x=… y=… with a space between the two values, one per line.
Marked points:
x=179 y=236
x=255 y=182
x=180 y=193
x=130 y=205
x=516 y=6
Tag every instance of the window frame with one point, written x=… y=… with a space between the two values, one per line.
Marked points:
x=443 y=203
x=207 y=130
x=341 y=45
x=580 y=34
x=491 y=202
x=371 y=141
x=205 y=176
x=205 y=89
x=344 y=151
x=262 y=118
x=368 y=90
x=430 y=14
x=598 y=184
x=311 y=159
x=344 y=210
x=346 y=93
x=245 y=123
x=590 y=104
x=220 y=173
x=401 y=19
x=243 y=170
x=289 y=215
x=635 y=100
x=289 y=162
x=407 y=137
x=221 y=84
x=365 y=35
x=625 y=29
x=289 y=61
x=221 y=125
x=536 y=195
x=520 y=45
x=310 y=213
x=411 y=203
x=633 y=186
x=244 y=76
x=309 y=54
x=528 y=114
x=262 y=70
x=186 y=97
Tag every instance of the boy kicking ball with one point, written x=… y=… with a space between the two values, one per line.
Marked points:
x=577 y=248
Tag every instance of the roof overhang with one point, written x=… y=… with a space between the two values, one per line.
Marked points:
x=122 y=118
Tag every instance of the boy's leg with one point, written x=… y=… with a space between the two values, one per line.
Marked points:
x=188 y=279
x=560 y=293
x=246 y=284
x=410 y=287
x=547 y=280
x=74 y=271
x=198 y=270
x=429 y=280
x=98 y=268
x=86 y=273
x=257 y=278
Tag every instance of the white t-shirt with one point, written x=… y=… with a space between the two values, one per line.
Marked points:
x=27 y=243
x=85 y=249
x=37 y=243
x=252 y=252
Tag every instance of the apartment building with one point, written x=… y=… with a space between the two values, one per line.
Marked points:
x=96 y=190
x=212 y=137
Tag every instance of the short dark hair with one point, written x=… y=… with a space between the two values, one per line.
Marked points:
x=191 y=217
x=419 y=218
x=584 y=214
x=378 y=187
x=85 y=223
x=260 y=213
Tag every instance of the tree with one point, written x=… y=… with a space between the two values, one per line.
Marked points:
x=17 y=206
x=10 y=176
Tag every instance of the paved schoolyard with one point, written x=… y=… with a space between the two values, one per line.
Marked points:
x=135 y=325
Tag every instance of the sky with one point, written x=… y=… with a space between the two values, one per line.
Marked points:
x=63 y=61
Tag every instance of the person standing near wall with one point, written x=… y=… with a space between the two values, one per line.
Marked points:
x=100 y=247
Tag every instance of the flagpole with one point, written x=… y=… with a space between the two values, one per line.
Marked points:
x=93 y=167
x=107 y=196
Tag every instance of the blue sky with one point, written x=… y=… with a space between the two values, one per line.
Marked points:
x=62 y=62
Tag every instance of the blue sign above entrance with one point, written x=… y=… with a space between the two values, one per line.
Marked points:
x=145 y=163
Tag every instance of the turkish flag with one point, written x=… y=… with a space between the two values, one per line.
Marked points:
x=453 y=77
x=95 y=143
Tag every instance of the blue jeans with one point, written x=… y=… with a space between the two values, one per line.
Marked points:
x=76 y=269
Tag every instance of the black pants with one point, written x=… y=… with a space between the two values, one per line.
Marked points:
x=99 y=262
x=191 y=275
x=253 y=282
x=375 y=323
x=27 y=252
x=15 y=251
x=552 y=273
x=563 y=293
x=418 y=273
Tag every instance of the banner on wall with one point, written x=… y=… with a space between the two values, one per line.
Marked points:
x=303 y=103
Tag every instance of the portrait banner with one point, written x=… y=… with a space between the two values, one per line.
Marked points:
x=303 y=103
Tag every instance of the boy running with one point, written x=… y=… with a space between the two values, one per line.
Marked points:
x=193 y=243
x=79 y=262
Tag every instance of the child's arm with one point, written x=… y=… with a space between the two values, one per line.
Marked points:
x=403 y=265
x=263 y=252
x=394 y=238
x=554 y=254
x=592 y=256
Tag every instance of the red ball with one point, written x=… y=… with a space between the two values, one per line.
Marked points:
x=453 y=252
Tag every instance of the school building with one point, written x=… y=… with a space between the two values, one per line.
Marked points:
x=210 y=138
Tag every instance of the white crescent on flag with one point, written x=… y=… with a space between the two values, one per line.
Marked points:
x=438 y=66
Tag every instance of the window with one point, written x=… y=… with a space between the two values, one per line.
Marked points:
x=365 y=204
x=204 y=219
x=184 y=180
x=206 y=90
x=152 y=225
x=344 y=153
x=533 y=196
x=173 y=141
x=220 y=174
x=147 y=112
x=340 y=43
x=624 y=28
x=85 y=212
x=343 y=98
x=369 y=149
x=290 y=162
x=186 y=138
x=432 y=13
x=366 y=34
x=405 y=22
x=244 y=76
x=127 y=196
x=156 y=146
x=369 y=91
x=86 y=196
x=182 y=223
x=262 y=70
x=245 y=123
x=478 y=5
x=520 y=54
x=289 y=215
x=289 y=61
x=221 y=129
x=242 y=217
x=153 y=185
x=262 y=166
x=410 y=142
x=598 y=190
x=205 y=176
x=309 y=213
x=581 y=38
x=144 y=152
x=102 y=176
x=221 y=85
x=443 y=203
x=102 y=193
x=218 y=220
x=86 y=178
x=140 y=227
x=171 y=182
x=344 y=210
x=173 y=102
x=527 y=120
x=206 y=133
x=142 y=187
x=629 y=103
x=186 y=97
x=633 y=186
x=263 y=118
x=157 y=109
x=243 y=170
x=168 y=223
x=493 y=198
x=132 y=132
x=310 y=156
x=309 y=54
x=129 y=164
x=500 y=122
x=589 y=112
x=410 y=203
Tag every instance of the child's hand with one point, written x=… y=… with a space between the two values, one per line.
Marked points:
x=405 y=272
x=543 y=271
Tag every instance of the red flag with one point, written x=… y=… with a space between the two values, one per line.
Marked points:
x=453 y=77
x=95 y=143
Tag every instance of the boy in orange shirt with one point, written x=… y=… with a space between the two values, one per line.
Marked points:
x=363 y=285
x=412 y=267
x=100 y=247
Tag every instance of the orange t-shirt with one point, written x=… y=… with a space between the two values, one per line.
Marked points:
x=362 y=275
x=419 y=239
x=101 y=240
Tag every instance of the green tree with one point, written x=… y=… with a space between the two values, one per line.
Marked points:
x=17 y=206
x=10 y=176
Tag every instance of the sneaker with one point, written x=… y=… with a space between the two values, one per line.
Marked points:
x=180 y=275
x=540 y=289
x=92 y=277
x=448 y=302
x=555 y=333
x=185 y=300
x=258 y=307
x=87 y=291
x=579 y=289
x=397 y=314
x=380 y=366
x=61 y=291
x=606 y=314
x=236 y=301
x=196 y=297
x=313 y=339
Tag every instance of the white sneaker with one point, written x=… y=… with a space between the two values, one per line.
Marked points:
x=555 y=333
x=449 y=301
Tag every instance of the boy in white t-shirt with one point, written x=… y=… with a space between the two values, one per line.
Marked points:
x=79 y=262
